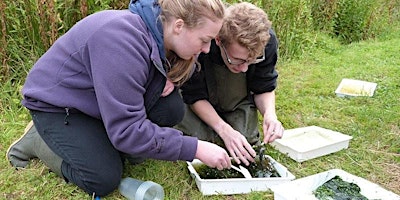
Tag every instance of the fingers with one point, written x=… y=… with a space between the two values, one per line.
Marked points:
x=276 y=133
x=223 y=164
x=273 y=132
x=243 y=153
x=250 y=150
x=218 y=159
x=234 y=156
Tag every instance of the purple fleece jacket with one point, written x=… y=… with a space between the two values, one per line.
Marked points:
x=101 y=68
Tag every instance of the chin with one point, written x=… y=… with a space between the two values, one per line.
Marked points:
x=192 y=56
x=234 y=71
x=184 y=57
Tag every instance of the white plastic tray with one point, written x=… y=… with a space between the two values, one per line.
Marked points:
x=301 y=189
x=352 y=88
x=306 y=143
x=239 y=185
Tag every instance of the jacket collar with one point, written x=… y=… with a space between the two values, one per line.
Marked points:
x=215 y=54
x=149 y=11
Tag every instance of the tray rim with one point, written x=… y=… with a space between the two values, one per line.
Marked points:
x=365 y=185
x=371 y=85
x=261 y=184
x=341 y=142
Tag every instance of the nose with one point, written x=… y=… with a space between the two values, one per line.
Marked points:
x=206 y=48
x=244 y=67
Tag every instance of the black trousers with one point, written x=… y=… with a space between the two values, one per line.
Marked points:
x=89 y=159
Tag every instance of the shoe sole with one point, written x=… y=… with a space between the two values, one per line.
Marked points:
x=27 y=128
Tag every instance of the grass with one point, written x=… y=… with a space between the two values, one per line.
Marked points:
x=305 y=97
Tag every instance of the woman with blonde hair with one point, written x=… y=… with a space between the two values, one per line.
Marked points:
x=106 y=90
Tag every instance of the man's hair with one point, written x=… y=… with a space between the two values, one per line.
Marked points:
x=248 y=25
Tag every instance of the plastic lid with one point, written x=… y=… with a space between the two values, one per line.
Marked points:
x=149 y=190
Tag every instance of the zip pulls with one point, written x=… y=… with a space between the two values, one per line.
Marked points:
x=66 y=116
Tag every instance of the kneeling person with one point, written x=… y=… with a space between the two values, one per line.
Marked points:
x=236 y=80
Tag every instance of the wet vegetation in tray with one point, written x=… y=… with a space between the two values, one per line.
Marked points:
x=263 y=169
x=206 y=172
x=338 y=189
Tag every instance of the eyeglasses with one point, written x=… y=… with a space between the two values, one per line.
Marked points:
x=241 y=61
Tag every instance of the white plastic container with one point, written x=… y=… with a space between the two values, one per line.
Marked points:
x=353 y=88
x=134 y=189
x=239 y=185
x=310 y=142
x=302 y=189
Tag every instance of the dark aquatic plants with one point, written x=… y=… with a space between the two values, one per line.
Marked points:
x=338 y=189
x=263 y=169
x=206 y=172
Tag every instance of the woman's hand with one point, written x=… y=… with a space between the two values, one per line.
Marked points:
x=212 y=155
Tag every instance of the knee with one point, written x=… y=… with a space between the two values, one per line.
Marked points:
x=105 y=184
x=168 y=111
x=175 y=116
x=176 y=109
x=100 y=182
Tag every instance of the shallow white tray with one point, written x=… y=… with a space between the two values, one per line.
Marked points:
x=306 y=143
x=351 y=88
x=239 y=185
x=301 y=189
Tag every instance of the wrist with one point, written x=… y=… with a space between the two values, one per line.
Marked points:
x=221 y=127
x=268 y=116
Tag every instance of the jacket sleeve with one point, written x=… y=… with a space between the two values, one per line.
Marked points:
x=120 y=70
x=263 y=76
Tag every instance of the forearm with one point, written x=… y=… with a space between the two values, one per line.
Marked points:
x=236 y=144
x=272 y=127
x=265 y=103
x=206 y=112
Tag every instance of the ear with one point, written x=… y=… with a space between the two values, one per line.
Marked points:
x=178 y=26
x=217 y=40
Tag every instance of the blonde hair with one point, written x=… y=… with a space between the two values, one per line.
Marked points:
x=192 y=12
x=248 y=25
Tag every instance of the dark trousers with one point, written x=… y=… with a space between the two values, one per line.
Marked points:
x=89 y=159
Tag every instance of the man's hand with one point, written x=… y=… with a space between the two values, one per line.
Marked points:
x=237 y=145
x=273 y=129
x=169 y=87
